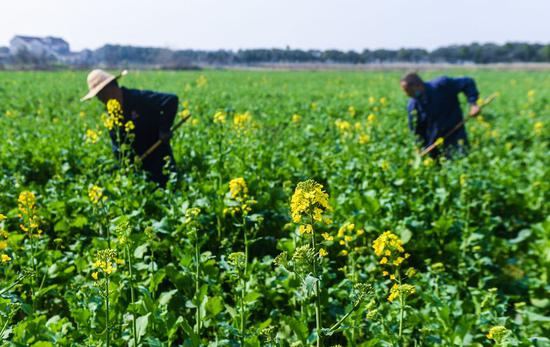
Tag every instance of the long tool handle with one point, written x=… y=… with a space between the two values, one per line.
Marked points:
x=159 y=142
x=456 y=127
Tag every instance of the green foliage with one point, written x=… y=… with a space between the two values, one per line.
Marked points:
x=476 y=228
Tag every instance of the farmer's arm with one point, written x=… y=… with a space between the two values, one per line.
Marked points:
x=467 y=86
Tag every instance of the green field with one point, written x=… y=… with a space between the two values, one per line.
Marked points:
x=200 y=264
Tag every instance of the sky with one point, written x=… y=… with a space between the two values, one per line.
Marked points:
x=303 y=24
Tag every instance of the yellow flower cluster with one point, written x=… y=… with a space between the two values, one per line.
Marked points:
x=538 y=128
x=92 y=136
x=202 y=81
x=105 y=263
x=371 y=118
x=95 y=194
x=5 y=258
x=497 y=333
x=296 y=118
x=238 y=188
x=27 y=205
x=242 y=120
x=343 y=126
x=238 y=191
x=115 y=116
x=390 y=248
x=403 y=289
x=309 y=199
x=346 y=234
x=129 y=126
x=219 y=117
x=191 y=215
x=352 y=112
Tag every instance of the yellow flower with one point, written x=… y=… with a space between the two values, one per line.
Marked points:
x=363 y=139
x=531 y=94
x=538 y=128
x=26 y=201
x=439 y=141
x=387 y=240
x=95 y=194
x=327 y=237
x=385 y=273
x=184 y=113
x=344 y=252
x=238 y=189
x=343 y=126
x=240 y=120
x=428 y=162
x=383 y=100
x=348 y=238
x=2 y=217
x=372 y=100
x=463 y=178
x=307 y=196
x=5 y=258
x=95 y=275
x=384 y=260
x=296 y=118
x=129 y=126
x=398 y=261
x=3 y=245
x=202 y=81
x=352 y=111
x=392 y=277
x=92 y=136
x=403 y=290
x=497 y=333
x=219 y=117
x=306 y=229
x=106 y=261
x=322 y=252
x=115 y=116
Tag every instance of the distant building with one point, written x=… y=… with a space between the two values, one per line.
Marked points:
x=39 y=46
x=4 y=52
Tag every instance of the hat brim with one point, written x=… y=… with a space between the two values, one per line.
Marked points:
x=93 y=92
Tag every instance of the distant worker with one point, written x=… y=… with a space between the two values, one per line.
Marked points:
x=151 y=115
x=434 y=110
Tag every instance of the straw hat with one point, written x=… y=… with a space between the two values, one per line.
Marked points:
x=97 y=80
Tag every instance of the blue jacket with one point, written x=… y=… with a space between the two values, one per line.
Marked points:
x=434 y=113
x=151 y=113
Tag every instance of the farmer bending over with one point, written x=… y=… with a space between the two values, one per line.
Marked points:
x=434 y=110
x=151 y=114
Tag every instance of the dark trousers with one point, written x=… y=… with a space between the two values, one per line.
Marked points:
x=154 y=164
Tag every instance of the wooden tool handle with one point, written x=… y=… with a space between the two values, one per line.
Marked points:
x=159 y=142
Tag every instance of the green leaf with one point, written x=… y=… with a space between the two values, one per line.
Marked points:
x=214 y=305
x=140 y=251
x=141 y=326
x=165 y=297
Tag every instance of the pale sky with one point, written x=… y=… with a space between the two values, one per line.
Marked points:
x=305 y=24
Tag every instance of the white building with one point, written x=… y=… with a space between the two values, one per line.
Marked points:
x=39 y=46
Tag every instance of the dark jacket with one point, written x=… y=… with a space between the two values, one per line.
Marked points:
x=434 y=113
x=151 y=113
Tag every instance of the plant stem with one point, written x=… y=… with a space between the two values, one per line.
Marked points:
x=197 y=277
x=242 y=309
x=107 y=311
x=401 y=306
x=134 y=327
x=317 y=290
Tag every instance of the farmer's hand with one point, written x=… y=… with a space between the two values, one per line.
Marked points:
x=165 y=135
x=474 y=110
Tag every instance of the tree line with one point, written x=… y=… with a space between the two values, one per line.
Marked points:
x=115 y=56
